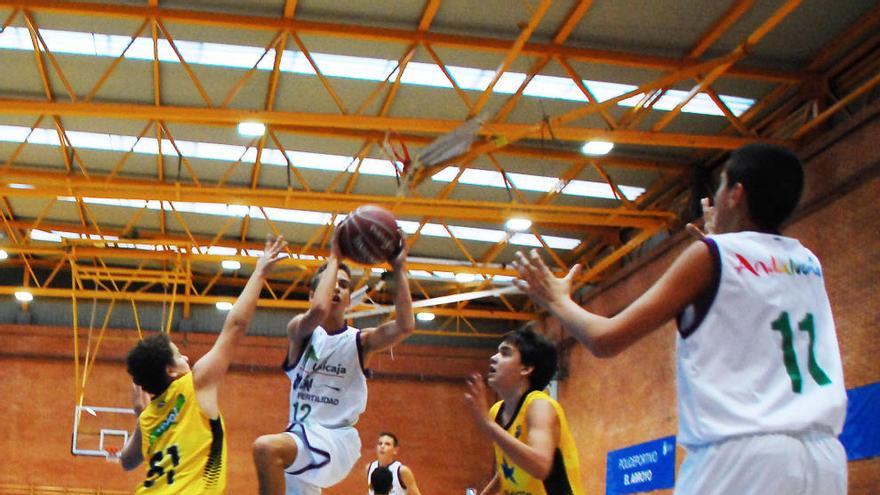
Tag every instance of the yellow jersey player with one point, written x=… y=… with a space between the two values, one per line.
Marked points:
x=534 y=451
x=180 y=432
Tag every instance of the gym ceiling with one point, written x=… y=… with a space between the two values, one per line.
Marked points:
x=125 y=177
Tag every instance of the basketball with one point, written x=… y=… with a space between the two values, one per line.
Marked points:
x=369 y=235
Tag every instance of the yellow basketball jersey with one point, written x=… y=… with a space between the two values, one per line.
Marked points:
x=564 y=478
x=184 y=450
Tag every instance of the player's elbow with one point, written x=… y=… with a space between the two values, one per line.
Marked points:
x=543 y=468
x=236 y=324
x=129 y=463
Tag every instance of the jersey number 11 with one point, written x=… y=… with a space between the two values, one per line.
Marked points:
x=789 y=356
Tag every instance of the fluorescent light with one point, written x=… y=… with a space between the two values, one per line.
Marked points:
x=254 y=129
x=465 y=277
x=24 y=296
x=223 y=305
x=230 y=264
x=20 y=186
x=425 y=316
x=597 y=148
x=518 y=224
x=3 y=254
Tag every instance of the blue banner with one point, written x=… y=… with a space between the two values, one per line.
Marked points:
x=641 y=468
x=861 y=432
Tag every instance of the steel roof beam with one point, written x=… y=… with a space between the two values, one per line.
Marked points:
x=48 y=184
x=461 y=42
x=201 y=115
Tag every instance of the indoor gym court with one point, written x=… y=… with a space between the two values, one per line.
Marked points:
x=149 y=147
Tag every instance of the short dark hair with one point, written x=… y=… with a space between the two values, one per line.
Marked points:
x=773 y=179
x=389 y=435
x=313 y=284
x=380 y=480
x=537 y=351
x=147 y=361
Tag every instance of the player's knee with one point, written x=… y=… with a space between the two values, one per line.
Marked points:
x=273 y=449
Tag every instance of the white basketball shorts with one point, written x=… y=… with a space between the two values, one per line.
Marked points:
x=808 y=463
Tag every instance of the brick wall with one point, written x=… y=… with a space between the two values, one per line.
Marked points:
x=418 y=395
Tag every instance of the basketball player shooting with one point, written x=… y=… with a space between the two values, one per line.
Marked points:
x=761 y=397
x=325 y=363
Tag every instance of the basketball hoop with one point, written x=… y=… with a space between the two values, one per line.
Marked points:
x=113 y=454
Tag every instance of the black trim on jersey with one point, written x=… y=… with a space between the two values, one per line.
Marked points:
x=557 y=482
x=287 y=365
x=399 y=478
x=360 y=348
x=304 y=436
x=214 y=466
x=515 y=412
x=697 y=311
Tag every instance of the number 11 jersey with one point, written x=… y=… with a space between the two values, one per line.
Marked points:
x=758 y=352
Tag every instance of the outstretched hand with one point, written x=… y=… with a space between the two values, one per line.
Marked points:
x=539 y=283
x=270 y=254
x=475 y=399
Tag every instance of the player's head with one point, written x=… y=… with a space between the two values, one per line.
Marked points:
x=523 y=355
x=764 y=182
x=380 y=481
x=155 y=362
x=387 y=447
x=342 y=292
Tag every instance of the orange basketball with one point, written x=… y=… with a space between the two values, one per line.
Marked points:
x=369 y=235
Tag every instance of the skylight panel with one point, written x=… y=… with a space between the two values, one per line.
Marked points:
x=527 y=182
x=364 y=68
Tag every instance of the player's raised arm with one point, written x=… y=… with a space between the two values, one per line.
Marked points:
x=689 y=276
x=392 y=332
x=534 y=453
x=321 y=294
x=209 y=371
x=131 y=455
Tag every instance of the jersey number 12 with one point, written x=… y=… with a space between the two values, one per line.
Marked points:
x=789 y=356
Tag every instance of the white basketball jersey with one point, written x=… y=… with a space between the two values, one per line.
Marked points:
x=327 y=384
x=397 y=487
x=759 y=354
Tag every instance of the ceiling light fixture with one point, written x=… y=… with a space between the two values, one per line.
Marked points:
x=223 y=305
x=597 y=148
x=3 y=254
x=254 y=129
x=24 y=296
x=425 y=316
x=230 y=264
x=465 y=277
x=518 y=224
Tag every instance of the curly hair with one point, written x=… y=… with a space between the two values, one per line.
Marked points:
x=147 y=361
x=537 y=351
